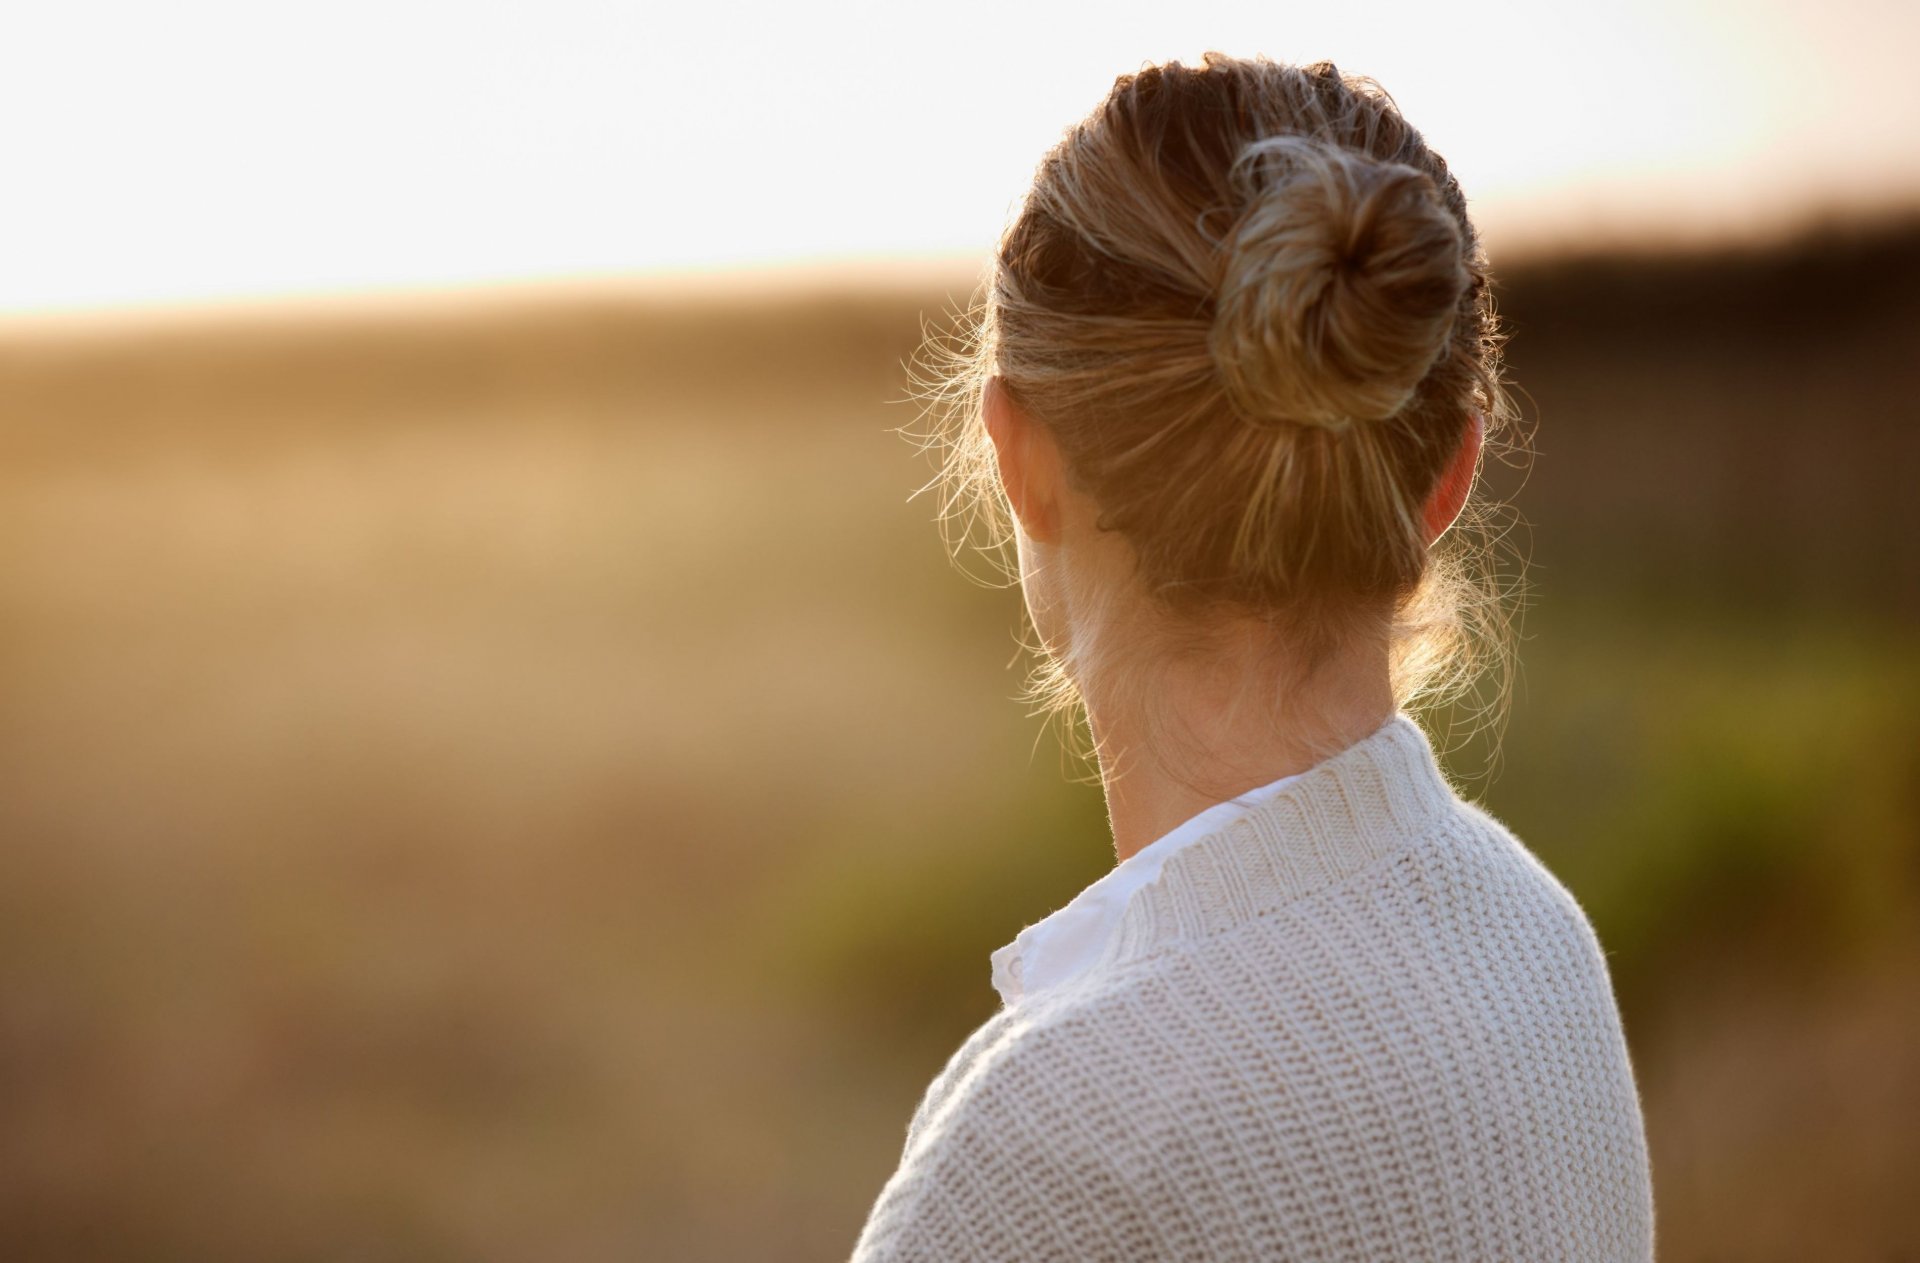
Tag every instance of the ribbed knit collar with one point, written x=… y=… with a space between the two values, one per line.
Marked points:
x=1066 y=943
x=1370 y=800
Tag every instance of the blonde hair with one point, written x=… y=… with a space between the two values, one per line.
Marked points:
x=1246 y=300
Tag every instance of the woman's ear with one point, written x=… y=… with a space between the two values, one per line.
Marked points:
x=1029 y=461
x=1456 y=480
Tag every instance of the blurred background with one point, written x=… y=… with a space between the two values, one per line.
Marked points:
x=496 y=764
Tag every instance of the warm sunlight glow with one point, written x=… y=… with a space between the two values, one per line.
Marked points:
x=210 y=148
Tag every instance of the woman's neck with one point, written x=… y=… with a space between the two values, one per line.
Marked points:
x=1224 y=726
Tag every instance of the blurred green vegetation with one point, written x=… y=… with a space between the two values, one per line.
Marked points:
x=521 y=779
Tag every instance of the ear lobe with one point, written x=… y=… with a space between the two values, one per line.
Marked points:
x=1456 y=481
x=1024 y=455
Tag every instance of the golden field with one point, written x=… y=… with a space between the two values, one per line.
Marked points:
x=515 y=775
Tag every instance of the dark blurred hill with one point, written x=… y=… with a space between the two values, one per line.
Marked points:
x=1741 y=424
x=1735 y=425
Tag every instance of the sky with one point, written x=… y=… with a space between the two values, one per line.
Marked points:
x=204 y=150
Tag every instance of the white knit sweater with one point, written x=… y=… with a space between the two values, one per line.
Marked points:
x=1357 y=1021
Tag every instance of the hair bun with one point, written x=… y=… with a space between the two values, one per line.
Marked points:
x=1339 y=286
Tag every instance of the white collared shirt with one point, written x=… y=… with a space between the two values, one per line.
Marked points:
x=1068 y=941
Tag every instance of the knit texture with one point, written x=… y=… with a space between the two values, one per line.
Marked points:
x=1359 y=1021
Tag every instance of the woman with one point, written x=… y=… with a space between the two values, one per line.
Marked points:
x=1233 y=379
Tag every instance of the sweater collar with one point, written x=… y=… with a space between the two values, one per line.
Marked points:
x=1370 y=800
x=1068 y=942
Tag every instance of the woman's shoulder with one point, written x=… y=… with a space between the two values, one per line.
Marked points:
x=1450 y=963
x=1460 y=929
x=1426 y=1049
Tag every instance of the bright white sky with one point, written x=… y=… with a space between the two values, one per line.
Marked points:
x=202 y=149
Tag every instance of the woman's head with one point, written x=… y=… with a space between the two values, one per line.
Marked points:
x=1245 y=308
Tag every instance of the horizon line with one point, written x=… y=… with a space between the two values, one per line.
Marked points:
x=879 y=274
